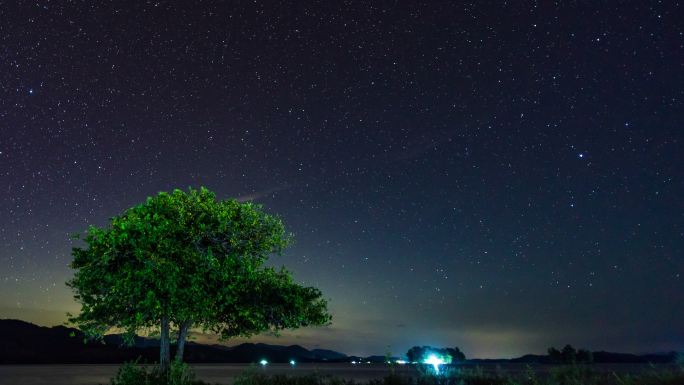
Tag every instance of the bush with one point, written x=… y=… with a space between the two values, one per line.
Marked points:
x=132 y=373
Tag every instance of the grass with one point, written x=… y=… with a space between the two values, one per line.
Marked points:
x=568 y=375
x=133 y=374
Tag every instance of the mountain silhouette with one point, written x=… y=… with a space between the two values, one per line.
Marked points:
x=24 y=343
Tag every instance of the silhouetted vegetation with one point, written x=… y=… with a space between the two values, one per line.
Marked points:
x=565 y=375
x=134 y=374
x=570 y=356
x=418 y=353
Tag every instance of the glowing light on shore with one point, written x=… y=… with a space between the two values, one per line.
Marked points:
x=292 y=362
x=400 y=362
x=263 y=362
x=435 y=361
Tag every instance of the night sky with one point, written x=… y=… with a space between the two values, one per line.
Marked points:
x=502 y=177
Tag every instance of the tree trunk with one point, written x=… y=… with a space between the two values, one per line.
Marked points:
x=164 y=352
x=182 y=335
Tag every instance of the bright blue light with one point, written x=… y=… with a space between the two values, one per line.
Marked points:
x=292 y=362
x=435 y=361
x=263 y=362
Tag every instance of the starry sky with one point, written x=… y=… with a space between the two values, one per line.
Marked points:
x=498 y=176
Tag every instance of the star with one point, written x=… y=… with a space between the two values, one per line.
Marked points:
x=384 y=166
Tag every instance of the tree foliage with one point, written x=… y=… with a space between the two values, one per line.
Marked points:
x=568 y=355
x=419 y=353
x=185 y=259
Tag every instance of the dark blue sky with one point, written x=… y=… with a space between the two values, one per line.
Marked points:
x=497 y=176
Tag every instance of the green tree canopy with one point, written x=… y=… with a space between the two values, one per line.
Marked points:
x=185 y=259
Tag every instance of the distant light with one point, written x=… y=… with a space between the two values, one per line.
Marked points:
x=292 y=362
x=263 y=362
x=581 y=155
x=31 y=91
x=400 y=362
x=353 y=362
x=435 y=361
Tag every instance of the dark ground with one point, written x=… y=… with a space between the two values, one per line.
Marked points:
x=226 y=373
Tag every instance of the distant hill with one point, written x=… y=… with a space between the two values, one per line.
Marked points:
x=24 y=342
x=328 y=355
x=599 y=358
x=609 y=357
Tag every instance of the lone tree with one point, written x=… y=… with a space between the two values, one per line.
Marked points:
x=185 y=260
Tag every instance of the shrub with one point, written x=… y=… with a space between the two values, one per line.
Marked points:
x=132 y=373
